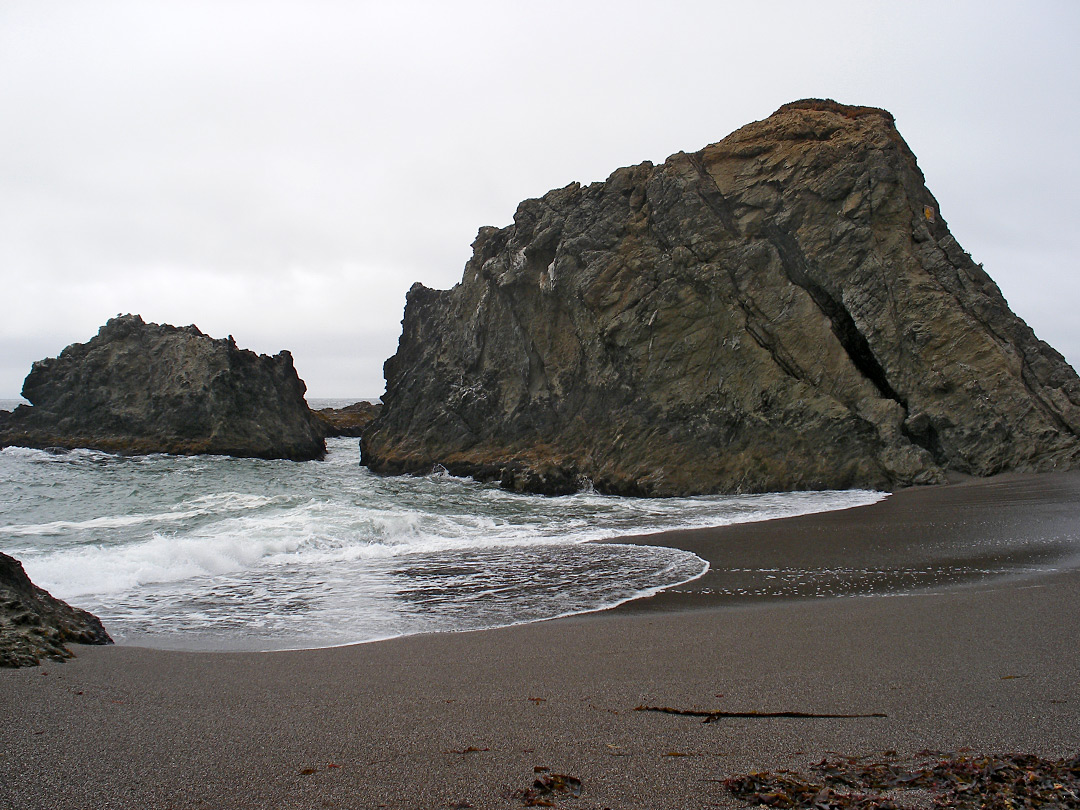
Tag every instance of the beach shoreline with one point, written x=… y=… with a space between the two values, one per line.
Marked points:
x=464 y=719
x=916 y=539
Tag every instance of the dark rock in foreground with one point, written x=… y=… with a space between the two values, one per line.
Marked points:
x=36 y=625
x=785 y=309
x=348 y=421
x=149 y=388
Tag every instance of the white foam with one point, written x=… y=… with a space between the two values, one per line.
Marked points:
x=317 y=532
x=179 y=545
x=100 y=570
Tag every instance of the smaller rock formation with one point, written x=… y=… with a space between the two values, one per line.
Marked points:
x=140 y=388
x=348 y=421
x=35 y=624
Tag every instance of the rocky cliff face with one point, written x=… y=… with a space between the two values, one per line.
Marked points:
x=36 y=625
x=784 y=309
x=149 y=388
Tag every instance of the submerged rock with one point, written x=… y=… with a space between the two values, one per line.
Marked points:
x=149 y=388
x=785 y=309
x=36 y=625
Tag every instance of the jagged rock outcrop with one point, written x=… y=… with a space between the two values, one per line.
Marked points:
x=35 y=624
x=785 y=309
x=149 y=388
x=348 y=421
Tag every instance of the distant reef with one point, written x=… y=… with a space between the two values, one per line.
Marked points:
x=785 y=309
x=348 y=421
x=36 y=625
x=153 y=388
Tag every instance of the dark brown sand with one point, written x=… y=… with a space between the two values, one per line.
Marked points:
x=462 y=720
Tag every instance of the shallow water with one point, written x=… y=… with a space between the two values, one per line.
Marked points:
x=212 y=552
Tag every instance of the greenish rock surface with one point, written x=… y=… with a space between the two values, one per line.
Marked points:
x=785 y=309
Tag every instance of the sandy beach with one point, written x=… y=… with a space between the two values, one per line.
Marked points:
x=463 y=720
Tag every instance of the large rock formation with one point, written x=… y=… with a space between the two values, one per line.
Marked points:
x=785 y=309
x=149 y=388
x=35 y=624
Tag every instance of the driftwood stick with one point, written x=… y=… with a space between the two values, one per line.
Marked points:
x=712 y=717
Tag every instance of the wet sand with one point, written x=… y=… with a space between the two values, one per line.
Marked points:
x=461 y=720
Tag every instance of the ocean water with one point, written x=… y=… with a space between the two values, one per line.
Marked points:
x=219 y=553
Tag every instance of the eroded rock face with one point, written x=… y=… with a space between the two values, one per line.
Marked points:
x=149 y=388
x=785 y=309
x=36 y=625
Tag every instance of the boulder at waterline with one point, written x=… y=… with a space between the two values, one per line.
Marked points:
x=785 y=309
x=36 y=625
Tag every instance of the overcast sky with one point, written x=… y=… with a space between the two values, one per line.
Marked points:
x=284 y=171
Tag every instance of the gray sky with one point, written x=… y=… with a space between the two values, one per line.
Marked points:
x=284 y=171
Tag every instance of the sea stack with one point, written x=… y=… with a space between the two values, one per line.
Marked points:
x=785 y=309
x=153 y=388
